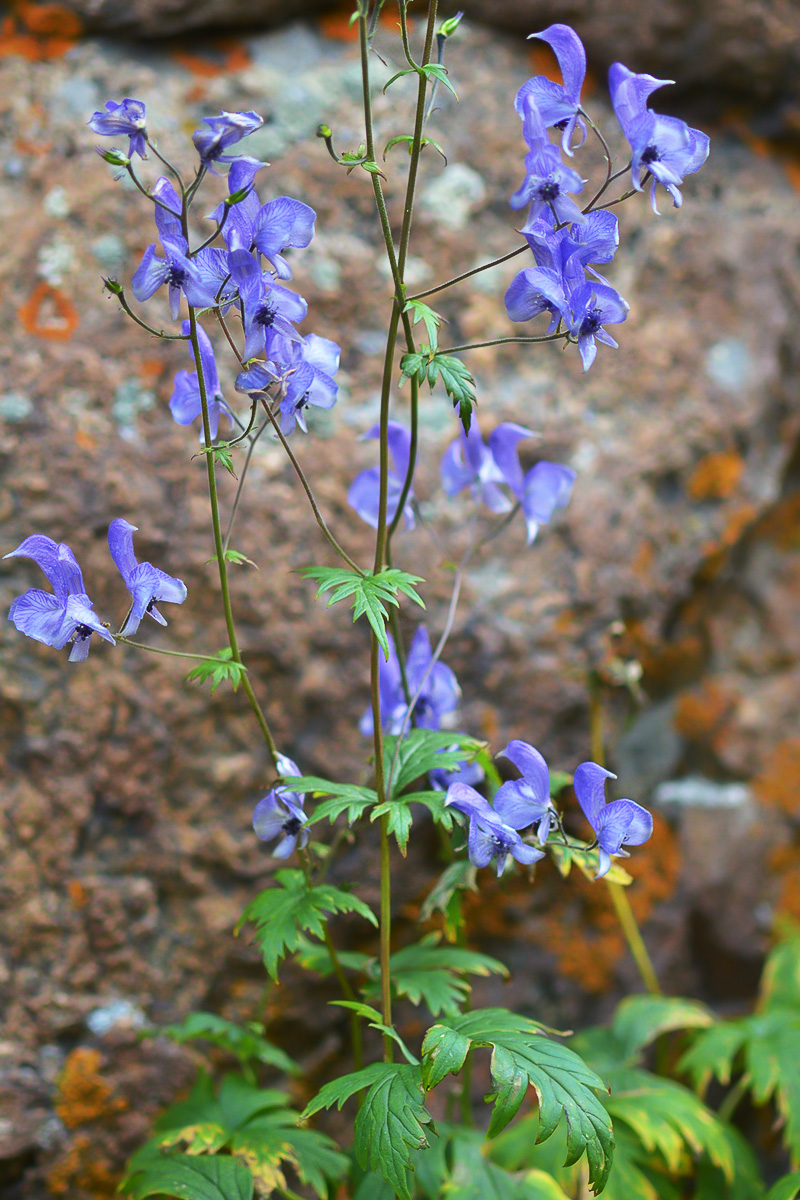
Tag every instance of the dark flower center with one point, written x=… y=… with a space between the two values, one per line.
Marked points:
x=549 y=191
x=150 y=604
x=176 y=275
x=650 y=155
x=591 y=323
x=82 y=632
x=265 y=316
x=302 y=402
x=562 y=124
x=423 y=707
x=292 y=826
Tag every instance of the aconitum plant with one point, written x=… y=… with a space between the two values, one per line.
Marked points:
x=233 y=294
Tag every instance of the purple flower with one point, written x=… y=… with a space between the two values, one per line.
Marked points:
x=146 y=583
x=127 y=117
x=547 y=181
x=223 y=131
x=489 y=835
x=306 y=369
x=468 y=462
x=665 y=147
x=265 y=304
x=240 y=221
x=184 y=275
x=559 y=104
x=523 y=802
x=280 y=814
x=439 y=691
x=591 y=306
x=365 y=489
x=185 y=404
x=543 y=489
x=622 y=822
x=283 y=222
x=440 y=778
x=66 y=613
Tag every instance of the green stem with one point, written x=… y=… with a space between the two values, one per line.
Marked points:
x=159 y=333
x=170 y=653
x=386 y=937
x=503 y=341
x=218 y=546
x=240 y=485
x=349 y=994
x=618 y=894
x=440 y=287
x=416 y=145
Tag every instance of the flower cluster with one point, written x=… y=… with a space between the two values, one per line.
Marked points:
x=525 y=802
x=567 y=242
x=67 y=614
x=276 y=358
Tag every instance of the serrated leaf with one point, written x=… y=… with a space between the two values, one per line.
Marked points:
x=459 y=876
x=399 y=821
x=390 y=1124
x=339 y=1091
x=414 y=364
x=245 y=1042
x=217 y=669
x=264 y=1148
x=239 y=559
x=780 y=982
x=318 y=1161
x=370 y=593
x=431 y=319
x=564 y=1085
x=222 y=457
x=434 y=975
x=191 y=1178
x=639 y=1020
x=422 y=750
x=457 y=379
x=292 y=907
x=713 y=1052
x=313 y=956
x=376 y=1022
x=771 y=1055
x=346 y=798
x=746 y=1184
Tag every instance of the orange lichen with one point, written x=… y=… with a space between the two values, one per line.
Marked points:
x=83 y=1095
x=716 y=476
x=226 y=57
x=701 y=712
x=82 y=1169
x=782 y=524
x=777 y=786
x=38 y=31
x=78 y=895
x=48 y=313
x=674 y=663
x=785 y=863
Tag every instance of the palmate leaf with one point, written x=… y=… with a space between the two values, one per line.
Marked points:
x=780 y=982
x=639 y=1020
x=399 y=820
x=423 y=750
x=190 y=1178
x=345 y=798
x=246 y=1042
x=217 y=669
x=458 y=382
x=564 y=1085
x=436 y=976
x=772 y=1055
x=713 y=1053
x=420 y=311
x=390 y=1123
x=317 y=1160
x=369 y=593
x=283 y=912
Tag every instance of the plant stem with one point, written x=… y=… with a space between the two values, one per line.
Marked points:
x=547 y=337
x=218 y=546
x=170 y=653
x=349 y=994
x=386 y=937
x=440 y=287
x=737 y=1093
x=618 y=894
x=240 y=486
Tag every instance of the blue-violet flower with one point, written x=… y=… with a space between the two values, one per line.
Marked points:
x=615 y=824
x=280 y=814
x=127 y=117
x=147 y=584
x=490 y=836
x=559 y=104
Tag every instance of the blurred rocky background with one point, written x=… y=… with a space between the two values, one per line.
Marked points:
x=665 y=596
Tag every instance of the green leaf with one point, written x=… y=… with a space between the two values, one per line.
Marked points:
x=771 y=1055
x=459 y=876
x=787 y=1188
x=246 y=1042
x=780 y=982
x=313 y=956
x=473 y=1176
x=434 y=801
x=746 y=1184
x=564 y=1085
x=283 y=912
x=398 y=823
x=191 y=1178
x=398 y=75
x=239 y=559
x=431 y=320
x=219 y=668
x=338 y=1091
x=318 y=1161
x=222 y=456
x=413 y=364
x=670 y=1120
x=345 y=798
x=587 y=861
x=407 y=139
x=639 y=1020
x=376 y=1022
x=437 y=72
x=436 y=976
x=712 y=1054
x=369 y=593
x=421 y=750
x=390 y=1124
x=458 y=381
x=205 y=1120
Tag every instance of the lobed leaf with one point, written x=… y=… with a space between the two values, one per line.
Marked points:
x=246 y=1042
x=639 y=1020
x=217 y=669
x=192 y=1178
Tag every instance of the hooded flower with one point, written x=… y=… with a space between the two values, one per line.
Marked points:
x=591 y=306
x=66 y=613
x=147 y=584
x=620 y=823
x=470 y=463
x=265 y=304
x=526 y=801
x=559 y=104
x=223 y=131
x=543 y=489
x=489 y=834
x=127 y=117
x=439 y=692
x=185 y=403
x=306 y=368
x=547 y=181
x=364 y=494
x=665 y=147
x=280 y=814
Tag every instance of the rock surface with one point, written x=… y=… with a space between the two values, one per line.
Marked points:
x=126 y=794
